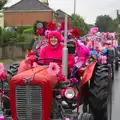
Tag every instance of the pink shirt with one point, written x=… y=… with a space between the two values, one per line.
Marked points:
x=49 y=52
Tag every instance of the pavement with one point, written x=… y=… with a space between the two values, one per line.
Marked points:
x=116 y=97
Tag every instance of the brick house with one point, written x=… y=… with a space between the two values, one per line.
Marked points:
x=61 y=15
x=1 y=20
x=26 y=12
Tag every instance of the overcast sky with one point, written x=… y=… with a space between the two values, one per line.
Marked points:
x=88 y=9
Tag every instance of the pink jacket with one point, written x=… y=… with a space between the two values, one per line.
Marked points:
x=49 y=52
x=55 y=53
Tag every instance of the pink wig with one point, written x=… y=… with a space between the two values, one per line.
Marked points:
x=56 y=34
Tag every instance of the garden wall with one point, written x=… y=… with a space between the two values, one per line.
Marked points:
x=12 y=52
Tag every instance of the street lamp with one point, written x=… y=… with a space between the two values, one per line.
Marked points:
x=74 y=6
x=65 y=50
x=118 y=19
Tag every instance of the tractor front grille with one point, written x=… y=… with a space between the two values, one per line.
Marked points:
x=29 y=102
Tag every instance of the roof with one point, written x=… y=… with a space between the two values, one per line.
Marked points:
x=61 y=14
x=28 y=5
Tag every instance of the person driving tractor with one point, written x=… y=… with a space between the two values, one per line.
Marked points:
x=53 y=49
x=52 y=52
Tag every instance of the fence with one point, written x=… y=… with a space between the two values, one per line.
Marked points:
x=12 y=52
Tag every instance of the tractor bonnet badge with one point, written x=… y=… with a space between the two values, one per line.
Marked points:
x=27 y=80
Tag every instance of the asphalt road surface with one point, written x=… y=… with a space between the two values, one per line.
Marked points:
x=116 y=96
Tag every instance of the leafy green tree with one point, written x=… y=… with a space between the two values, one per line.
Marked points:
x=105 y=23
x=90 y=26
x=2 y=3
x=78 y=22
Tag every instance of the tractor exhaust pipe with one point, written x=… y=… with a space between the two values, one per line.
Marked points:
x=65 y=50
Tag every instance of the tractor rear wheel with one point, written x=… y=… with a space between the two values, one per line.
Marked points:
x=116 y=64
x=13 y=69
x=100 y=93
x=86 y=116
x=6 y=103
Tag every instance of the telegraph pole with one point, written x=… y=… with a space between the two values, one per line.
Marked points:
x=118 y=31
x=65 y=50
x=74 y=6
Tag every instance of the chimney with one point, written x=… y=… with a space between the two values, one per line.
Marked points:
x=45 y=2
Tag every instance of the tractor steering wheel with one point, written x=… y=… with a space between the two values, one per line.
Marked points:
x=46 y=61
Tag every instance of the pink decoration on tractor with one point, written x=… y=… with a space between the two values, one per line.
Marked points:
x=67 y=119
x=35 y=65
x=47 y=32
x=39 y=31
x=76 y=33
x=3 y=74
x=53 y=69
x=1 y=67
x=61 y=78
x=2 y=118
x=94 y=30
x=103 y=59
x=74 y=80
x=83 y=54
x=51 y=26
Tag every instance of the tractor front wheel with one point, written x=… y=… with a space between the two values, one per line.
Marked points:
x=100 y=93
x=86 y=116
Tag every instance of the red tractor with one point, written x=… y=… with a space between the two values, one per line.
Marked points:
x=36 y=95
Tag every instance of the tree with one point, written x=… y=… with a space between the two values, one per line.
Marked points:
x=2 y=3
x=90 y=26
x=78 y=22
x=105 y=23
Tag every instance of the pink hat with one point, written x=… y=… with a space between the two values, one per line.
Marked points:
x=56 y=34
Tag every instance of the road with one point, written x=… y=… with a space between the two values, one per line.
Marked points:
x=116 y=97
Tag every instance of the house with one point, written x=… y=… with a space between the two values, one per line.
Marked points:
x=61 y=15
x=26 y=12
x=1 y=19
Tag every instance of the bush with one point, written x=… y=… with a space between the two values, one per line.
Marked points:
x=20 y=38
x=0 y=30
x=20 y=29
x=27 y=38
x=8 y=37
x=29 y=31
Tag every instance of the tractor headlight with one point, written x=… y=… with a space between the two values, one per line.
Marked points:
x=69 y=93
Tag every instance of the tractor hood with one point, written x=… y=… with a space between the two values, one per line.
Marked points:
x=35 y=76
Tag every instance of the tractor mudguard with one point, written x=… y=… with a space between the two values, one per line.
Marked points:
x=88 y=73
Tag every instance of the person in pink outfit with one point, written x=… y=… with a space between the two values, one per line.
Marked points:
x=83 y=54
x=53 y=50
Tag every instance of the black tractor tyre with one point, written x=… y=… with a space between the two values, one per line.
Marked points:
x=100 y=92
x=111 y=66
x=13 y=69
x=116 y=64
x=86 y=116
